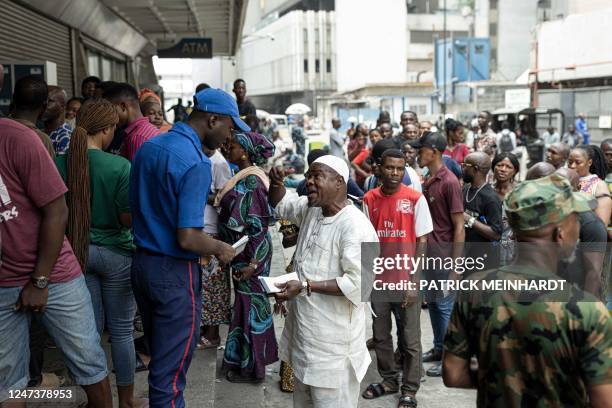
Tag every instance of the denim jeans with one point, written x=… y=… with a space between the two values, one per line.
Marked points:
x=69 y=320
x=108 y=280
x=439 y=313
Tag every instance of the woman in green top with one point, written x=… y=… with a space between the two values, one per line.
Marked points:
x=99 y=223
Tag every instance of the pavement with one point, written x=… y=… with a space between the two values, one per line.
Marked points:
x=208 y=388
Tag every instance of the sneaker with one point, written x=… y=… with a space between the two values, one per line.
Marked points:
x=435 y=371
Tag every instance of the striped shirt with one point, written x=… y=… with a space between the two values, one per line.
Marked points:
x=136 y=133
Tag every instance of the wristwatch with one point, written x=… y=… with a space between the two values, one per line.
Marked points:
x=471 y=222
x=39 y=282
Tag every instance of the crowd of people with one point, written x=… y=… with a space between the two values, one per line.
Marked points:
x=111 y=219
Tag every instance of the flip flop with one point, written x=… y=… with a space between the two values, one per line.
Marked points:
x=407 y=401
x=234 y=377
x=204 y=344
x=377 y=390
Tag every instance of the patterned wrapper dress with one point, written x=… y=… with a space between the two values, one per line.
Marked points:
x=251 y=342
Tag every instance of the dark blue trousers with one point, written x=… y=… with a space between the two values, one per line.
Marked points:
x=167 y=291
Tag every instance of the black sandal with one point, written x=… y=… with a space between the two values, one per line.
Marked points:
x=234 y=377
x=377 y=390
x=407 y=401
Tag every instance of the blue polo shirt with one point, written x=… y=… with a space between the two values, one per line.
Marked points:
x=169 y=184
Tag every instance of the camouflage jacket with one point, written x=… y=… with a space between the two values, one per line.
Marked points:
x=532 y=354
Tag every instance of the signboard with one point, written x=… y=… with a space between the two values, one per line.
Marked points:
x=14 y=71
x=605 y=122
x=517 y=98
x=188 y=48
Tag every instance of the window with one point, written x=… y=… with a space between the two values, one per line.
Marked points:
x=305 y=66
x=492 y=29
x=93 y=64
x=427 y=37
x=317 y=66
x=106 y=69
x=421 y=37
x=328 y=66
x=493 y=5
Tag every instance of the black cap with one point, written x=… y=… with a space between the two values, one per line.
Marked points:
x=433 y=140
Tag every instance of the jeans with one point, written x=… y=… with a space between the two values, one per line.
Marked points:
x=69 y=320
x=439 y=313
x=110 y=286
x=167 y=291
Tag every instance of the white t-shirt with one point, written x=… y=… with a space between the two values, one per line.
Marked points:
x=221 y=174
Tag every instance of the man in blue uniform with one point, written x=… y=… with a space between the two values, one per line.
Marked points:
x=169 y=186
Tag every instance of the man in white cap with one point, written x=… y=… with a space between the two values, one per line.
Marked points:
x=324 y=335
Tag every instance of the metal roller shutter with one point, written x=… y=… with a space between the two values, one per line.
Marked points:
x=28 y=36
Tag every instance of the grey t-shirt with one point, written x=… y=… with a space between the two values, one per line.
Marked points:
x=336 y=143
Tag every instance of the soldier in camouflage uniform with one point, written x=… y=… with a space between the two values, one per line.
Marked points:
x=539 y=353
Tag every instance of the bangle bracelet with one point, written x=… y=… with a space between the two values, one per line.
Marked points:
x=308 y=287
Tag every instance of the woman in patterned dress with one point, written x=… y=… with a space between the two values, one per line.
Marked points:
x=590 y=164
x=251 y=342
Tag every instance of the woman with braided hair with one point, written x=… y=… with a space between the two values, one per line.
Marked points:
x=590 y=164
x=98 y=229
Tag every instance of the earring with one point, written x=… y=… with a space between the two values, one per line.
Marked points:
x=243 y=157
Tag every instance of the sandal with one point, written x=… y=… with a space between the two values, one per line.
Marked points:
x=377 y=390
x=407 y=401
x=234 y=377
x=204 y=344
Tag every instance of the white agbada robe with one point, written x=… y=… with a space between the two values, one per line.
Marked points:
x=321 y=331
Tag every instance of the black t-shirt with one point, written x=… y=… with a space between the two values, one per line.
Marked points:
x=593 y=238
x=486 y=207
x=246 y=108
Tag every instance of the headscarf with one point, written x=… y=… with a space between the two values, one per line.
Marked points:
x=257 y=146
x=146 y=93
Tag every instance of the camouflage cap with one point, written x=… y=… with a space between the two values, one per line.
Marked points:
x=547 y=200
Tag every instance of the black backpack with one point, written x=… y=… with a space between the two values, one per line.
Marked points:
x=505 y=143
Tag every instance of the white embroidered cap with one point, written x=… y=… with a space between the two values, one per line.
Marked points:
x=336 y=164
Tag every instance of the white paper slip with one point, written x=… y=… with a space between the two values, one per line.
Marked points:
x=241 y=244
x=269 y=283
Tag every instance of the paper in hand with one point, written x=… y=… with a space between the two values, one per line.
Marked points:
x=241 y=244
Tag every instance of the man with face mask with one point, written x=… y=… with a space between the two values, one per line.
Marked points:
x=482 y=207
x=551 y=351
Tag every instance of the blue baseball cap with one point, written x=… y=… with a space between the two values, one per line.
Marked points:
x=219 y=102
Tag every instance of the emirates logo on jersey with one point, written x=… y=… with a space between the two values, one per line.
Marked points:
x=405 y=206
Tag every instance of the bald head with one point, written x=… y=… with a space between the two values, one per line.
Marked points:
x=336 y=123
x=539 y=170
x=56 y=108
x=571 y=175
x=480 y=160
x=557 y=154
